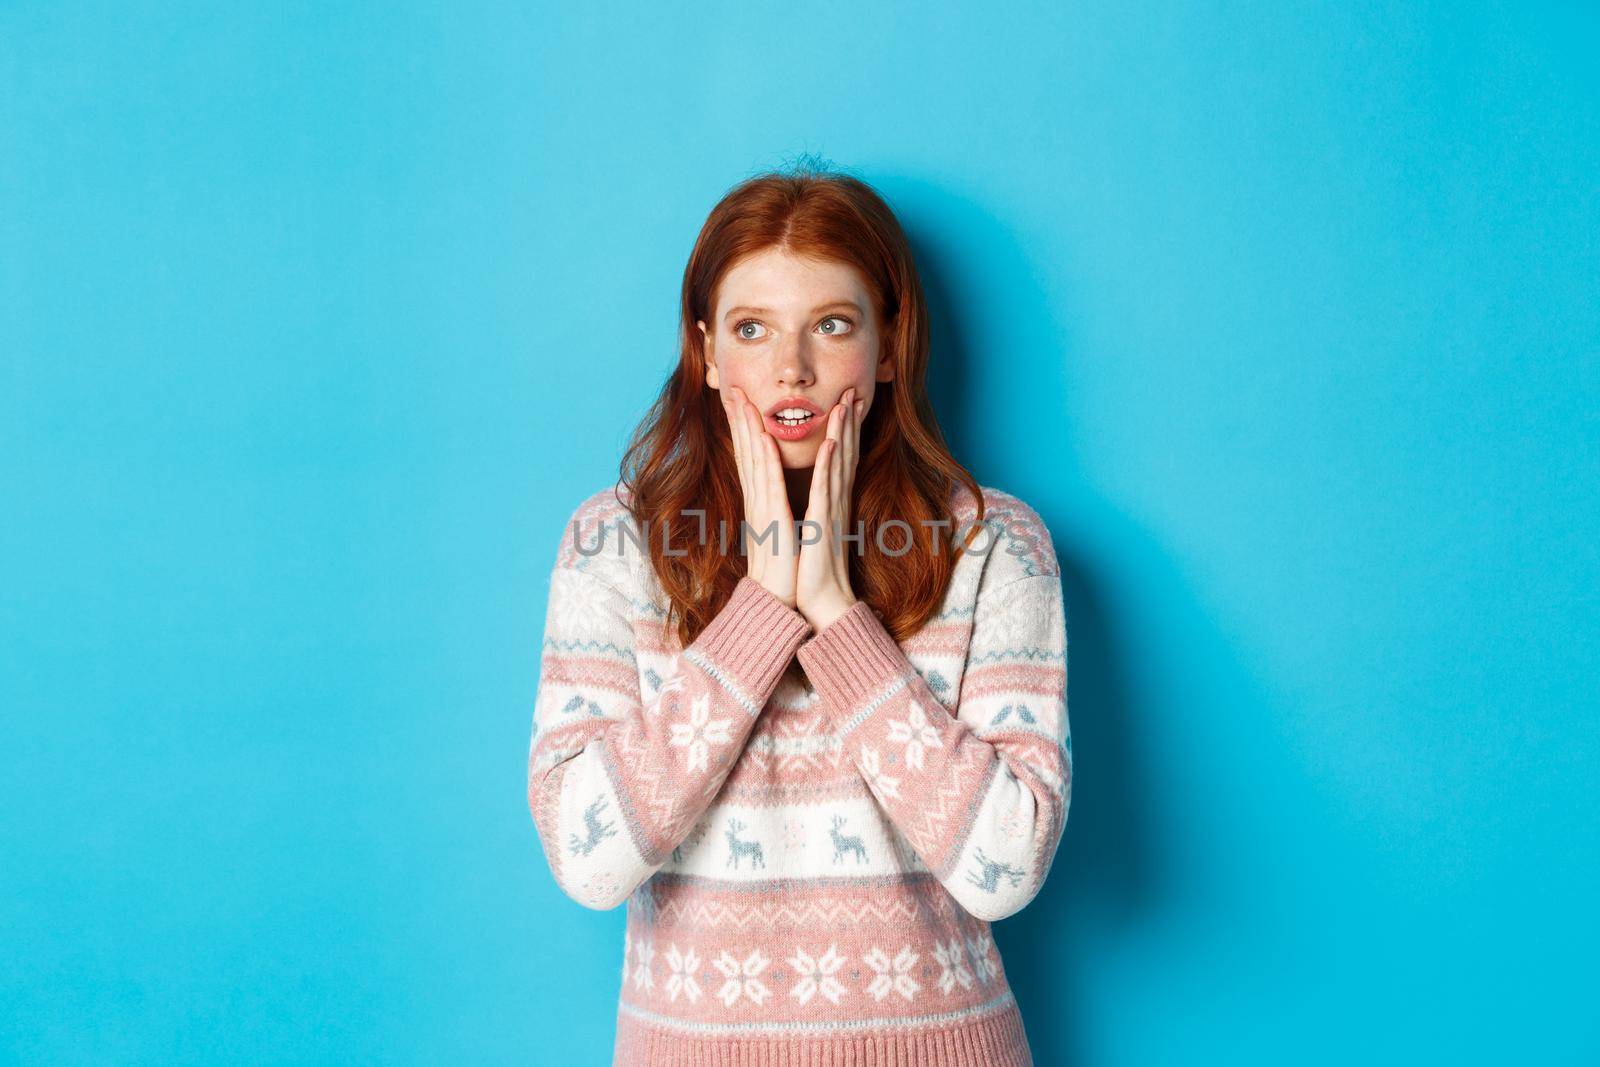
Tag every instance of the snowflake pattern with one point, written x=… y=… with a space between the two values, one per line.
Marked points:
x=916 y=733
x=817 y=975
x=879 y=782
x=794 y=834
x=953 y=970
x=892 y=976
x=963 y=963
x=742 y=978
x=585 y=613
x=601 y=885
x=981 y=949
x=699 y=733
x=995 y=625
x=684 y=966
x=1015 y=825
x=673 y=682
x=644 y=955
x=674 y=679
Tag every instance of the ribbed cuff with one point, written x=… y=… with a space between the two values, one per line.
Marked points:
x=993 y=1040
x=754 y=636
x=851 y=658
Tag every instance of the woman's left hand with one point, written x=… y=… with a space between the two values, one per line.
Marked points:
x=822 y=577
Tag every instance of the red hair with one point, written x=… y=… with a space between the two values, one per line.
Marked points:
x=680 y=458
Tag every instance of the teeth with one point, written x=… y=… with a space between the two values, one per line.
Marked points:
x=793 y=416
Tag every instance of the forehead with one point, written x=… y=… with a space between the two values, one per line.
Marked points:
x=780 y=280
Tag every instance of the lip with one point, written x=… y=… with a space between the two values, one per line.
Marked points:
x=793 y=433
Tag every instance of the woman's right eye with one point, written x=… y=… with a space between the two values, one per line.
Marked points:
x=739 y=330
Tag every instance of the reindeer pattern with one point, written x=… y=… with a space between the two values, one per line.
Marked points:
x=844 y=844
x=597 y=831
x=690 y=843
x=992 y=873
x=738 y=849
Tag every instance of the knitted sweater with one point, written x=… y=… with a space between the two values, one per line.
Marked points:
x=812 y=831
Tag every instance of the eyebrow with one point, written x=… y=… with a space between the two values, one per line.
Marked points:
x=742 y=309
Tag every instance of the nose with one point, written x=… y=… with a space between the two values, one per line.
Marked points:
x=794 y=366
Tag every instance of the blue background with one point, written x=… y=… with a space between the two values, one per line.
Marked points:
x=316 y=323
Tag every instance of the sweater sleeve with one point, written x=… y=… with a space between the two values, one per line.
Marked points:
x=616 y=777
x=981 y=795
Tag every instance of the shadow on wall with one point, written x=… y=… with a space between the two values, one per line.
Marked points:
x=1102 y=879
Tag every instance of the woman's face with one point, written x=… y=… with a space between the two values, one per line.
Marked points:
x=793 y=334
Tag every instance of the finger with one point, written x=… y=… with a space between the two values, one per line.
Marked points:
x=755 y=494
x=835 y=422
x=836 y=476
x=733 y=423
x=763 y=458
x=738 y=453
x=852 y=449
x=773 y=468
x=733 y=418
x=817 y=491
x=857 y=407
x=756 y=486
x=836 y=429
x=741 y=448
x=831 y=439
x=817 y=505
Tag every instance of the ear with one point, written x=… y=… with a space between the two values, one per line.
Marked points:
x=707 y=343
x=885 y=372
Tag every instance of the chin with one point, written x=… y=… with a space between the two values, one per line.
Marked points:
x=796 y=456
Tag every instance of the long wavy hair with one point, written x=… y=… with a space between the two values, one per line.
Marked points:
x=680 y=458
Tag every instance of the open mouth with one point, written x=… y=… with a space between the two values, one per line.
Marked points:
x=795 y=420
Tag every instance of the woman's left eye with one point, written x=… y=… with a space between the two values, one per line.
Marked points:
x=848 y=325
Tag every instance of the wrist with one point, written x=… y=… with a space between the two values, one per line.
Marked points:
x=780 y=590
x=825 y=611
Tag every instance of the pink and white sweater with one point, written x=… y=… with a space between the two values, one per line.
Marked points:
x=811 y=851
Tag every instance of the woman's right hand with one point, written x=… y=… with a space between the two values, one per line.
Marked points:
x=772 y=562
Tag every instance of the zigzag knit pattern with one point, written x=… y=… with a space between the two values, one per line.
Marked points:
x=812 y=830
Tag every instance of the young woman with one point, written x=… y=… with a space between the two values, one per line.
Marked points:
x=816 y=761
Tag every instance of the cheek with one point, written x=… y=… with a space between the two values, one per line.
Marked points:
x=863 y=367
x=855 y=360
x=735 y=373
